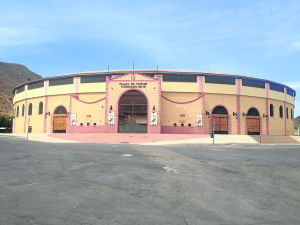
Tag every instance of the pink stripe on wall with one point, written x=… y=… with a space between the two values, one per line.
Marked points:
x=46 y=109
x=46 y=82
x=267 y=113
x=238 y=108
x=239 y=84
x=201 y=81
x=25 y=117
x=76 y=84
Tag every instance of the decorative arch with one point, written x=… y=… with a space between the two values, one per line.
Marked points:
x=220 y=118
x=132 y=112
x=253 y=122
x=60 y=120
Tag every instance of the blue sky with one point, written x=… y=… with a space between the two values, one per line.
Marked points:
x=251 y=38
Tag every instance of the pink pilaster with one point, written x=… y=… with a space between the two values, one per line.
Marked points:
x=46 y=82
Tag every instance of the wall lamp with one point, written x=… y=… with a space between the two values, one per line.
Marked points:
x=207 y=113
x=110 y=109
x=244 y=114
x=264 y=115
x=235 y=114
x=153 y=110
x=48 y=113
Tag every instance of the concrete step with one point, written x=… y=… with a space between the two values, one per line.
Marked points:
x=264 y=139
x=297 y=138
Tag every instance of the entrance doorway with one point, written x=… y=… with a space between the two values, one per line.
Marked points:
x=220 y=116
x=133 y=108
x=60 y=120
x=253 y=122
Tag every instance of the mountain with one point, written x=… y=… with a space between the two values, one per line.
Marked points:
x=12 y=75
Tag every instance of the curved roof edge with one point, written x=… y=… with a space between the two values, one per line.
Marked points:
x=152 y=71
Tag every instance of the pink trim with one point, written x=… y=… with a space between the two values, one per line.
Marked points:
x=76 y=84
x=106 y=97
x=157 y=128
x=203 y=110
x=26 y=87
x=46 y=109
x=284 y=114
x=182 y=130
x=88 y=129
x=239 y=84
x=46 y=82
x=182 y=102
x=77 y=98
x=238 y=108
x=229 y=119
x=267 y=113
x=200 y=82
x=267 y=90
x=136 y=73
x=25 y=116
x=285 y=94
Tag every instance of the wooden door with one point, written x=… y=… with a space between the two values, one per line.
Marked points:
x=59 y=123
x=253 y=125
x=221 y=126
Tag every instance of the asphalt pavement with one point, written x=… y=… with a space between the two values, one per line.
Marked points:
x=89 y=183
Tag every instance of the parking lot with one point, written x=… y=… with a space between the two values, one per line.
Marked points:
x=80 y=183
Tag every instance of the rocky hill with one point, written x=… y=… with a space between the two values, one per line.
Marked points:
x=12 y=75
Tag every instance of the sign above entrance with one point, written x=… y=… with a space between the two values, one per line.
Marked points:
x=133 y=85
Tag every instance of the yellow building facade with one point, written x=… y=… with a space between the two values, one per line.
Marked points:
x=154 y=101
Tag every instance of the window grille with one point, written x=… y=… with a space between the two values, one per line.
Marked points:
x=18 y=111
x=61 y=81
x=30 y=109
x=280 y=111
x=253 y=112
x=21 y=89
x=277 y=87
x=287 y=112
x=253 y=83
x=41 y=108
x=220 y=110
x=180 y=78
x=23 y=109
x=36 y=85
x=220 y=80
x=92 y=79
x=271 y=110
x=60 y=110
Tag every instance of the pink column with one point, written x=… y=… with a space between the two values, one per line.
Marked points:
x=267 y=105
x=46 y=82
x=238 y=105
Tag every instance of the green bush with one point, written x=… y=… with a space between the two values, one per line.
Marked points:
x=5 y=121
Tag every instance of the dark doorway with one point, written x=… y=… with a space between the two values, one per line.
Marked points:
x=253 y=122
x=220 y=116
x=60 y=120
x=133 y=110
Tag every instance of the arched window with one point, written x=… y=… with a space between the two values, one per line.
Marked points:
x=41 y=108
x=292 y=117
x=280 y=111
x=220 y=110
x=271 y=110
x=23 y=110
x=18 y=111
x=60 y=110
x=30 y=109
x=287 y=112
x=253 y=112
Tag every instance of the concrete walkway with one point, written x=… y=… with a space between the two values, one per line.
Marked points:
x=142 y=139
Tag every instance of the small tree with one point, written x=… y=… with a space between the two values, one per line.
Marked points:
x=5 y=121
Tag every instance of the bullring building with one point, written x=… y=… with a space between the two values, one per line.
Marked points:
x=154 y=101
